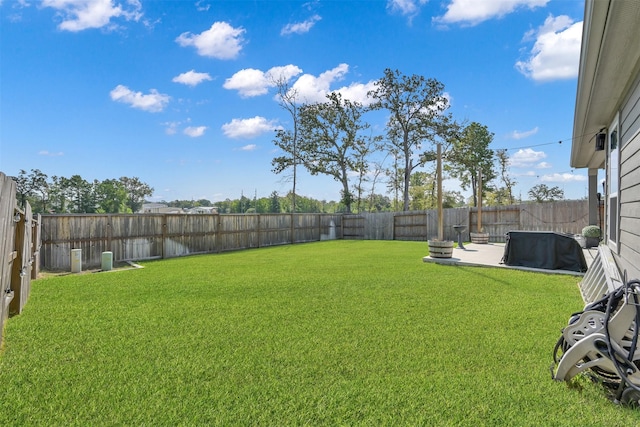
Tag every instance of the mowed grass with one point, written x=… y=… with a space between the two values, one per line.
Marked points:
x=327 y=333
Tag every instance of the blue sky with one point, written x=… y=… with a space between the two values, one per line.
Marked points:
x=177 y=92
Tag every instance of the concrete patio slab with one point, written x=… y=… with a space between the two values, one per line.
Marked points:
x=490 y=255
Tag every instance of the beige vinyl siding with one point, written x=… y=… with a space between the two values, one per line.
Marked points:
x=629 y=239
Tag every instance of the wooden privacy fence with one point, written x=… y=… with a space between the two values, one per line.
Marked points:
x=153 y=236
x=414 y=225
x=563 y=217
x=19 y=256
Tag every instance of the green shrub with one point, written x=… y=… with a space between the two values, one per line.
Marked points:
x=591 y=231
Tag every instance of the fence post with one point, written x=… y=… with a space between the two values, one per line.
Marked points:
x=218 y=234
x=293 y=229
x=258 y=225
x=109 y=232
x=17 y=267
x=164 y=235
x=520 y=208
x=35 y=245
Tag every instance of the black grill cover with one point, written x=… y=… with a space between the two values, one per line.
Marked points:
x=543 y=249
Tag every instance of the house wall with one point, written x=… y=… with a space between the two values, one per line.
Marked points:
x=628 y=257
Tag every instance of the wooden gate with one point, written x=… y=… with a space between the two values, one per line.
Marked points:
x=19 y=256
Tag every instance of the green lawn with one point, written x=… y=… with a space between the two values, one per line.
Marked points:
x=328 y=333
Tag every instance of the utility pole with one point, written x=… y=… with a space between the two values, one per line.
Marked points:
x=480 y=201
x=439 y=179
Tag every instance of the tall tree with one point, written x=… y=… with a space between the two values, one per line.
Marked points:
x=274 y=202
x=111 y=196
x=469 y=155
x=331 y=139
x=41 y=186
x=416 y=120
x=379 y=203
x=79 y=193
x=362 y=153
x=23 y=187
x=377 y=169
x=58 y=200
x=507 y=180
x=421 y=191
x=287 y=139
x=29 y=184
x=542 y=193
x=395 y=180
x=136 y=192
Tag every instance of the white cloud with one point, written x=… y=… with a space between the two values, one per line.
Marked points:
x=563 y=177
x=543 y=165
x=202 y=7
x=194 y=131
x=315 y=89
x=556 y=52
x=527 y=157
x=249 y=128
x=252 y=82
x=171 y=127
x=286 y=72
x=221 y=41
x=473 y=12
x=249 y=147
x=357 y=92
x=191 y=78
x=78 y=15
x=300 y=27
x=405 y=7
x=249 y=82
x=516 y=134
x=50 y=154
x=153 y=102
x=17 y=5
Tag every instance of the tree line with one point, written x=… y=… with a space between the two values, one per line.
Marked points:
x=392 y=170
x=127 y=195
x=422 y=186
x=58 y=194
